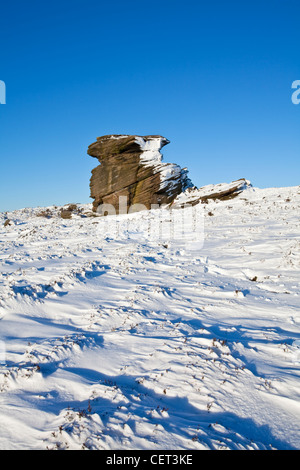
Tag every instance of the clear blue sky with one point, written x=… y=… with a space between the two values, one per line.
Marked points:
x=214 y=77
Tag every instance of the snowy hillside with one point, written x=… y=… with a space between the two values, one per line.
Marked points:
x=113 y=338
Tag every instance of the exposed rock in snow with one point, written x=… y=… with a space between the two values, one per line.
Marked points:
x=131 y=167
x=222 y=191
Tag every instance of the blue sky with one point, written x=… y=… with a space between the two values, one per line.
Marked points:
x=214 y=77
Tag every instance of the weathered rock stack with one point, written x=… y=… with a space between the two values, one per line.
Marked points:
x=131 y=167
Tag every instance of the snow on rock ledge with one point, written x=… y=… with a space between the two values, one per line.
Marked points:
x=220 y=191
x=131 y=167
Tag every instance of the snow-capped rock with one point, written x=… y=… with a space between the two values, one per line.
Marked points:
x=131 y=166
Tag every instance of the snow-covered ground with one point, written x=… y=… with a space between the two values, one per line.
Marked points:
x=111 y=338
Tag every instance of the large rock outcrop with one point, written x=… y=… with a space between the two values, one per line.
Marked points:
x=131 y=166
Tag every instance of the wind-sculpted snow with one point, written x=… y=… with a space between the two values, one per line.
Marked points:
x=113 y=339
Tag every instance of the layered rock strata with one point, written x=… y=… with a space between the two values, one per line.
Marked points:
x=221 y=192
x=131 y=170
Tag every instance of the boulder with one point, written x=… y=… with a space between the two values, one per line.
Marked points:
x=66 y=214
x=221 y=192
x=131 y=167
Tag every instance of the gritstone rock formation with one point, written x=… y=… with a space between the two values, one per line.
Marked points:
x=221 y=192
x=131 y=167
